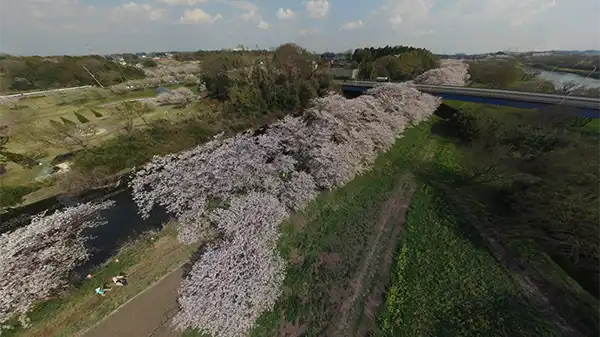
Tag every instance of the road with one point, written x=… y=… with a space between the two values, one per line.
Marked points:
x=146 y=315
x=43 y=92
x=587 y=103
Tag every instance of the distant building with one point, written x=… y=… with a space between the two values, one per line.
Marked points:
x=344 y=73
x=542 y=53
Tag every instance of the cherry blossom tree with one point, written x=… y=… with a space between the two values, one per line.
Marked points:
x=38 y=258
x=244 y=186
x=180 y=97
x=240 y=277
x=120 y=89
x=451 y=72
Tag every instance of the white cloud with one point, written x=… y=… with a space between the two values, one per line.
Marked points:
x=250 y=10
x=263 y=25
x=515 y=13
x=306 y=32
x=352 y=25
x=242 y=5
x=251 y=16
x=68 y=26
x=283 y=14
x=401 y=11
x=182 y=2
x=317 y=8
x=144 y=10
x=198 y=16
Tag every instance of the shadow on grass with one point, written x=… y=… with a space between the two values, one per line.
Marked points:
x=493 y=315
x=493 y=209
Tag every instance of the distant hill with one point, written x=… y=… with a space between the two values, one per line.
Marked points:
x=585 y=52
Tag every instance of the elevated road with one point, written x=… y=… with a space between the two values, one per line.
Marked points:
x=584 y=106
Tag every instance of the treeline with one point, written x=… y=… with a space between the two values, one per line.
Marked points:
x=41 y=73
x=372 y=54
x=497 y=73
x=285 y=80
x=201 y=55
x=535 y=175
x=510 y=74
x=398 y=63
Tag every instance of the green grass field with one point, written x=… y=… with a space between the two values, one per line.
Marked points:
x=446 y=282
x=443 y=280
x=39 y=111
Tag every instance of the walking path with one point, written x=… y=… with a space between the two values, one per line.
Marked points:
x=148 y=314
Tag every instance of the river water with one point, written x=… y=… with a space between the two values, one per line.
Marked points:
x=123 y=223
x=558 y=78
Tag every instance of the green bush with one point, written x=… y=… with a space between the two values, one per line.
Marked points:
x=495 y=74
x=13 y=195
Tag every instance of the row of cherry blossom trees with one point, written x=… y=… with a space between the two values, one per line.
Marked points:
x=179 y=97
x=451 y=72
x=246 y=185
x=186 y=74
x=37 y=259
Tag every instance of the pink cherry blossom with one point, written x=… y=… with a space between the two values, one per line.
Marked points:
x=37 y=259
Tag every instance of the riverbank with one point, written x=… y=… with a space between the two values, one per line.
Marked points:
x=144 y=261
x=580 y=72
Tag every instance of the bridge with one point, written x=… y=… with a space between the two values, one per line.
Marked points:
x=583 y=106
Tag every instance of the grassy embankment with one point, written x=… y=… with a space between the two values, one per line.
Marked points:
x=144 y=261
x=445 y=279
x=564 y=288
x=340 y=254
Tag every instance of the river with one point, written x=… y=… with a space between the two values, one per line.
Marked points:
x=558 y=78
x=123 y=223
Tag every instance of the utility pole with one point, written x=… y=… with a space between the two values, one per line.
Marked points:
x=93 y=77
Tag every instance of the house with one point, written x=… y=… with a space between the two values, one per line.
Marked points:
x=344 y=73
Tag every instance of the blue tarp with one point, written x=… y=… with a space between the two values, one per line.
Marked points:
x=161 y=90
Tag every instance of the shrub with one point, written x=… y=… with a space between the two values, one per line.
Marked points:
x=13 y=195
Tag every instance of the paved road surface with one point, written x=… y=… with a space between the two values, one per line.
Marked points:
x=147 y=315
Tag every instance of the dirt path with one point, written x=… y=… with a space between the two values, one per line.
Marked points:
x=368 y=284
x=146 y=315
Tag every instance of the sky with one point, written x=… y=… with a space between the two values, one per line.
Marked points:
x=77 y=27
